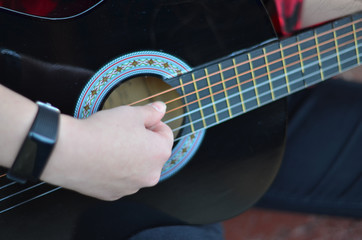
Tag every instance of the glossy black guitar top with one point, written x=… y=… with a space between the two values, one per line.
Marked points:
x=237 y=159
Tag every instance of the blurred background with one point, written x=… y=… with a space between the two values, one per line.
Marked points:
x=261 y=224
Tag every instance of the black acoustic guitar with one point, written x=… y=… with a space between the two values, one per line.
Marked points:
x=217 y=64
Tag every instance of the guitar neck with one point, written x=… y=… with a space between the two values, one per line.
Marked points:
x=245 y=81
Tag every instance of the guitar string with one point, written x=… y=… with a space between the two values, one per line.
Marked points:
x=237 y=94
x=57 y=188
x=7 y=185
x=258 y=68
x=269 y=64
x=253 y=59
x=30 y=199
x=260 y=84
x=261 y=95
x=318 y=45
x=21 y=191
x=251 y=79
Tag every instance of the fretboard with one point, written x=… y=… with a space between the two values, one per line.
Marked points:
x=243 y=82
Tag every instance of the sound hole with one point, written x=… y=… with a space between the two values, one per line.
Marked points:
x=142 y=87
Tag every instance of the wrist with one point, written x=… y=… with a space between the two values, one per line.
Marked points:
x=66 y=153
x=19 y=114
x=37 y=145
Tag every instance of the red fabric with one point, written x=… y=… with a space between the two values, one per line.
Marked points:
x=49 y=8
x=34 y=7
x=288 y=18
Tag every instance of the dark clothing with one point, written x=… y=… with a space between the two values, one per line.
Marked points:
x=322 y=166
x=131 y=220
x=320 y=172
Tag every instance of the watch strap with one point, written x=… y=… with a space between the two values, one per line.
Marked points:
x=37 y=146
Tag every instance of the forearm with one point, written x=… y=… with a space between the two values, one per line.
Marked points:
x=318 y=11
x=17 y=114
x=108 y=155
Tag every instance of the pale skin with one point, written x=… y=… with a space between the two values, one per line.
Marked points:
x=124 y=151
x=127 y=146
x=318 y=11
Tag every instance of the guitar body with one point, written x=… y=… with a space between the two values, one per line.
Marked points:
x=237 y=159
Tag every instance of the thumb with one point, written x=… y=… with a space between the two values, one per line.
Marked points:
x=153 y=113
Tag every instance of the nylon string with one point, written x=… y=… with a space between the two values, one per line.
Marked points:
x=57 y=188
x=263 y=94
x=264 y=83
x=236 y=94
x=257 y=68
x=258 y=57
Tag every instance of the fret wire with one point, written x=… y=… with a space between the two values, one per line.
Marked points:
x=226 y=93
x=308 y=75
x=336 y=48
x=310 y=55
x=253 y=77
x=330 y=49
x=292 y=63
x=357 y=21
x=340 y=27
x=235 y=95
x=198 y=99
x=304 y=40
x=295 y=62
x=285 y=69
x=337 y=51
x=187 y=105
x=318 y=54
x=239 y=84
x=212 y=95
x=300 y=54
x=304 y=51
x=349 y=38
x=279 y=98
x=351 y=58
x=355 y=42
x=268 y=74
x=301 y=60
x=276 y=68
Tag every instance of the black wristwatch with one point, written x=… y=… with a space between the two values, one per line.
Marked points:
x=37 y=146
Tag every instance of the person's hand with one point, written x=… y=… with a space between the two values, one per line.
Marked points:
x=111 y=154
x=353 y=75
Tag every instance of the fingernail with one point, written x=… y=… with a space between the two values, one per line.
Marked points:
x=159 y=106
